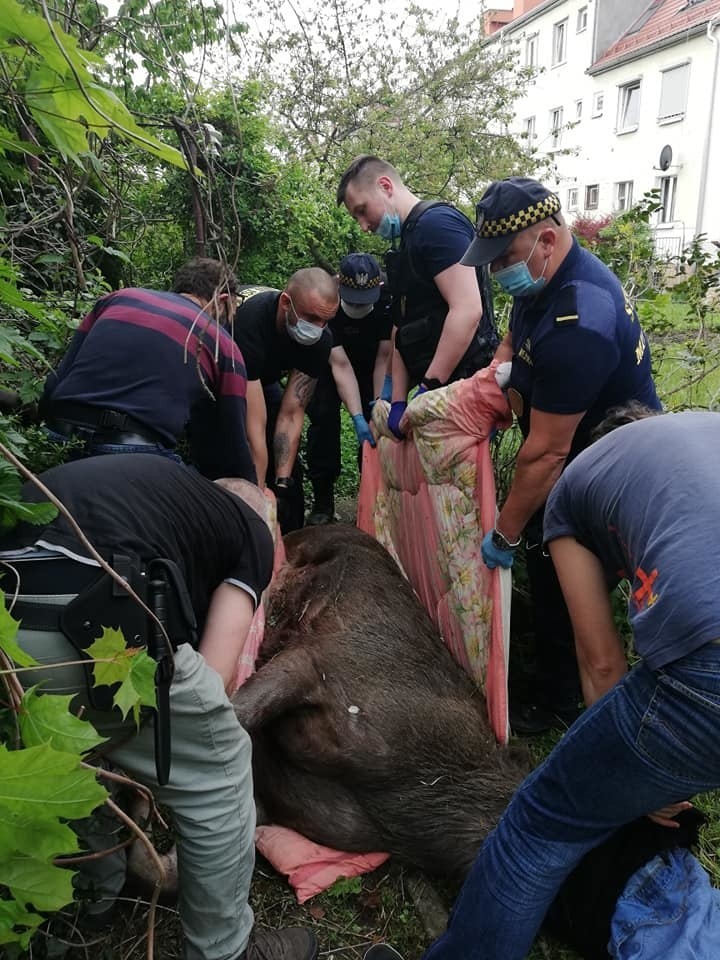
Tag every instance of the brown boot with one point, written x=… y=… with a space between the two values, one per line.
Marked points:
x=293 y=943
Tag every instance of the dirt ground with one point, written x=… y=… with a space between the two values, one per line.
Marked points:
x=390 y=904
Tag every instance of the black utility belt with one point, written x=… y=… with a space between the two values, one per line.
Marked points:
x=102 y=602
x=105 y=425
x=72 y=430
x=105 y=603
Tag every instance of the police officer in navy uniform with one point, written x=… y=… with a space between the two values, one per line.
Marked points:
x=359 y=372
x=577 y=349
x=444 y=325
x=284 y=332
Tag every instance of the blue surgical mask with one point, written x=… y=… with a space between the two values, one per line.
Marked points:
x=389 y=226
x=303 y=332
x=517 y=279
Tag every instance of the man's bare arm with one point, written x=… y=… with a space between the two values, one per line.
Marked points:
x=345 y=380
x=539 y=463
x=600 y=653
x=288 y=429
x=256 y=424
x=383 y=366
x=459 y=288
x=226 y=628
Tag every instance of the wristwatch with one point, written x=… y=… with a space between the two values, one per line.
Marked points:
x=501 y=542
x=431 y=383
x=284 y=483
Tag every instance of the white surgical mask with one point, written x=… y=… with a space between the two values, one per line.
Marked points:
x=356 y=311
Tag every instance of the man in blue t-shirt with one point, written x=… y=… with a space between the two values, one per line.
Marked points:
x=444 y=325
x=640 y=503
x=577 y=349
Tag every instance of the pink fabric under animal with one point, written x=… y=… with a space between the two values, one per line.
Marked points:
x=310 y=867
x=429 y=500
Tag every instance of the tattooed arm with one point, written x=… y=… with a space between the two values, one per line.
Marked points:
x=288 y=429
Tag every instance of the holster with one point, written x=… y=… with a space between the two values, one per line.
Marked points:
x=105 y=603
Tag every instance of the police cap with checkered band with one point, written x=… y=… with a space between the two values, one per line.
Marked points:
x=360 y=278
x=507 y=208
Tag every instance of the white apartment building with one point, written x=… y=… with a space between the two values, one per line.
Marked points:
x=626 y=99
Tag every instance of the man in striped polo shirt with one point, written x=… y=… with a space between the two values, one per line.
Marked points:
x=145 y=363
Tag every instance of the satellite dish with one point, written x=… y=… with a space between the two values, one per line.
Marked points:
x=665 y=157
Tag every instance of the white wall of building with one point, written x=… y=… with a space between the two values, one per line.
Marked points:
x=595 y=154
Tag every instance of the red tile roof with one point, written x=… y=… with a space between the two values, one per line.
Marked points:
x=660 y=20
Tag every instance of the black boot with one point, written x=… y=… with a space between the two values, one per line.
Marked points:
x=382 y=951
x=292 y=943
x=323 y=510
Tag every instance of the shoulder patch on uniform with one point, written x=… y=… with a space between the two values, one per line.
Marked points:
x=565 y=307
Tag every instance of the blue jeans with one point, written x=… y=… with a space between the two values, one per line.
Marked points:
x=652 y=740
x=91 y=449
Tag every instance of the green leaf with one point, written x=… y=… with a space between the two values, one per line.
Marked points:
x=39 y=785
x=12 y=915
x=47 y=719
x=110 y=646
x=138 y=689
x=38 y=882
x=44 y=783
x=131 y=667
x=8 y=644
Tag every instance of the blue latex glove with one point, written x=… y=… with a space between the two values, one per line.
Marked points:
x=397 y=409
x=421 y=389
x=386 y=392
x=493 y=556
x=363 y=430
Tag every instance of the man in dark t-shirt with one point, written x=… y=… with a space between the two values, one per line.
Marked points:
x=136 y=510
x=359 y=370
x=284 y=332
x=143 y=362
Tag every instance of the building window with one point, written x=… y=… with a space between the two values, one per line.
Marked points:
x=531 y=51
x=559 y=47
x=623 y=195
x=598 y=103
x=529 y=129
x=581 y=20
x=674 y=93
x=556 y=122
x=572 y=198
x=668 y=189
x=592 y=196
x=628 y=107
x=578 y=109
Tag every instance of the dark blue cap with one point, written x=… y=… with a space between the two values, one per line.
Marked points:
x=359 y=278
x=507 y=208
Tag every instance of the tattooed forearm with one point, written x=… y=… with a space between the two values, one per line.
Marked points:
x=303 y=387
x=281 y=454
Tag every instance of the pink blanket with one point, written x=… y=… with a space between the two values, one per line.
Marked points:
x=429 y=500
